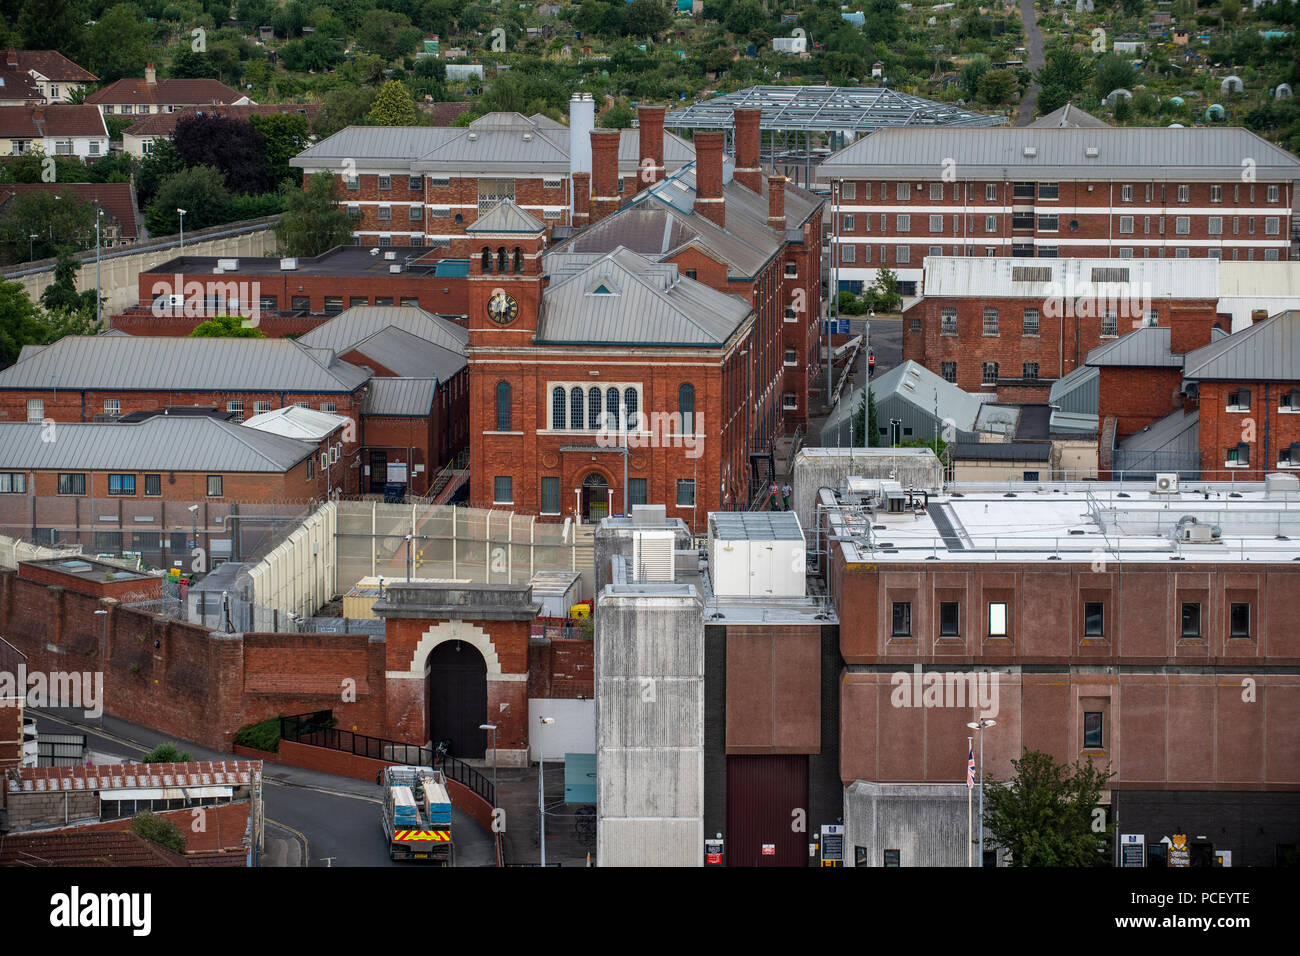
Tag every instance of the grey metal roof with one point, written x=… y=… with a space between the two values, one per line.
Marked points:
x=506 y=217
x=407 y=355
x=1139 y=153
x=625 y=298
x=1077 y=392
x=184 y=364
x=409 y=397
x=162 y=443
x=1147 y=347
x=822 y=108
x=1067 y=424
x=1178 y=431
x=354 y=325
x=1068 y=116
x=293 y=421
x=1003 y=451
x=1268 y=351
x=755 y=526
x=915 y=383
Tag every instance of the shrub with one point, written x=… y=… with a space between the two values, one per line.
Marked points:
x=263 y=735
x=158 y=830
x=167 y=753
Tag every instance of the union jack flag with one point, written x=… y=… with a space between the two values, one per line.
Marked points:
x=970 y=768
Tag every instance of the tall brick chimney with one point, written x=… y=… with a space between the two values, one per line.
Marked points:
x=708 y=175
x=150 y=75
x=11 y=57
x=650 y=121
x=776 y=203
x=581 y=199
x=604 y=172
x=749 y=171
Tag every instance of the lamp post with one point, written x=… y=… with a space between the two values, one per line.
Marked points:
x=182 y=214
x=979 y=725
x=99 y=214
x=103 y=657
x=31 y=246
x=493 y=728
x=541 y=791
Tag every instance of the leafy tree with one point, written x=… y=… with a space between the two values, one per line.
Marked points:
x=233 y=146
x=971 y=73
x=163 y=161
x=866 y=424
x=56 y=218
x=53 y=25
x=114 y=168
x=313 y=222
x=647 y=18
x=996 y=86
x=1044 y=816
x=200 y=191
x=393 y=107
x=284 y=136
x=167 y=753
x=746 y=17
x=618 y=116
x=119 y=44
x=61 y=295
x=316 y=52
x=388 y=34
x=343 y=107
x=1065 y=71
x=1133 y=8
x=30 y=168
x=1114 y=72
x=158 y=830
x=1052 y=98
x=189 y=64
x=20 y=322
x=226 y=327
x=885 y=290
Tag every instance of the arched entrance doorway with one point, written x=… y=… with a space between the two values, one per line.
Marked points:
x=595 y=497
x=456 y=688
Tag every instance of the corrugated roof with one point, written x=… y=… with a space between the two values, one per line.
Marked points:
x=1268 y=351
x=755 y=526
x=406 y=340
x=408 y=397
x=1126 y=283
x=161 y=443
x=1076 y=392
x=1003 y=451
x=407 y=355
x=1197 y=154
x=1146 y=347
x=167 y=363
x=506 y=217
x=1176 y=431
x=293 y=421
x=917 y=384
x=1068 y=116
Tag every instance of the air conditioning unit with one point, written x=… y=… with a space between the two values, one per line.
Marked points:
x=390 y=256
x=652 y=556
x=1167 y=483
x=229 y=265
x=1199 y=534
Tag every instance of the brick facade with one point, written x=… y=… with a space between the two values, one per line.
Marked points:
x=1266 y=427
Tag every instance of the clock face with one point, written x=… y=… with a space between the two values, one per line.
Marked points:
x=502 y=308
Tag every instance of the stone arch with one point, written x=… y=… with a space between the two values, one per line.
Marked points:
x=465 y=631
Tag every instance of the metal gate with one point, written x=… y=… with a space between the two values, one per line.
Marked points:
x=767 y=810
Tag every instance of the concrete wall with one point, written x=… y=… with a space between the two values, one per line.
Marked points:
x=295 y=579
x=927 y=824
x=816 y=468
x=574 y=730
x=650 y=727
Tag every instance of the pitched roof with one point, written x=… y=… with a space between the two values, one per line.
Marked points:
x=50 y=64
x=506 y=217
x=84 y=849
x=913 y=382
x=18 y=122
x=161 y=443
x=345 y=331
x=58 y=119
x=1268 y=351
x=1068 y=116
x=184 y=364
x=406 y=397
x=164 y=124
x=1147 y=347
x=1178 y=431
x=225 y=828
x=185 y=92
x=292 y=421
x=624 y=298
x=444 y=113
x=117 y=199
x=1076 y=392
x=117 y=776
x=17 y=84
x=405 y=354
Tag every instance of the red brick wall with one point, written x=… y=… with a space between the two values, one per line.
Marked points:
x=1263 y=427
x=1136 y=397
x=125 y=592
x=561 y=670
x=82 y=405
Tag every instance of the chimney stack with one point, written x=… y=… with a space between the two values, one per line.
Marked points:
x=708 y=176
x=748 y=172
x=581 y=199
x=582 y=120
x=150 y=75
x=776 y=203
x=604 y=172
x=11 y=57
x=650 y=122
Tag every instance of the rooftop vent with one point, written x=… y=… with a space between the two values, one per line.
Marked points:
x=652 y=556
x=390 y=256
x=288 y=265
x=1092 y=152
x=229 y=265
x=1031 y=151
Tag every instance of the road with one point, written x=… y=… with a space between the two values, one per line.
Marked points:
x=1034 y=47
x=324 y=819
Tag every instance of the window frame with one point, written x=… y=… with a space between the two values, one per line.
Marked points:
x=1234 y=631
x=900 y=617
x=120 y=479
x=952 y=629
x=221 y=486
x=1094 y=619
x=69 y=486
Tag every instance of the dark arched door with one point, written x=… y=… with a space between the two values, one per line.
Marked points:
x=457 y=693
x=595 y=497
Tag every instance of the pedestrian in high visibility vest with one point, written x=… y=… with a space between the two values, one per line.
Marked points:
x=785 y=495
x=772 y=491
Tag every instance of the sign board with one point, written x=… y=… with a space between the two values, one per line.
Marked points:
x=769 y=849
x=397 y=472
x=713 y=853
x=832 y=844
x=1178 y=855
x=1132 y=849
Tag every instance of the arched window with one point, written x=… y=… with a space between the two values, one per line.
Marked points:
x=558 y=407
x=487 y=259
x=611 y=409
x=593 y=408
x=519 y=259
x=686 y=405
x=503 y=262
x=503 y=406
x=575 y=406
x=630 y=406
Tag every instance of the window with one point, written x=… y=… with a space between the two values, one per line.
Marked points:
x=333 y=304
x=949 y=371
x=385 y=212
x=948 y=320
x=1048 y=223
x=903 y=223
x=936 y=192
x=214 y=486
x=1239 y=620
x=636 y=491
x=153 y=485
x=990 y=373
x=1022 y=220
x=35 y=409
x=936 y=223
x=1182 y=254
x=997 y=619
x=94 y=147
x=990 y=321
x=1125 y=225
x=1191 y=619
x=791 y=270
x=902 y=192
x=612 y=400
x=593 y=408
x=439 y=180
x=1125 y=193
x=902 y=619
x=121 y=485
x=1031 y=322
x=990 y=223
x=385 y=182
x=416 y=214
x=903 y=254
x=1271 y=225
x=1109 y=324
x=1270 y=255
x=503 y=490
x=1093 y=616
x=1049 y=190
x=1047 y=252
x=12 y=483
x=848 y=252
x=1182 y=225
x=847 y=223
x=1239 y=455
x=1184 y=193
x=990 y=192
x=914 y=325
x=1289 y=454
x=790 y=357
x=1216 y=194
x=1022 y=190
x=331 y=407
x=685 y=492
x=691 y=274
x=949 y=619
x=1092 y=737
x=503 y=406
x=414 y=183
x=789 y=400
x=559 y=404
x=1290 y=401
x=1239 y=401
x=791 y=315
x=1274 y=193
x=1214 y=225
x=72 y=484
x=850 y=191
x=112 y=406
x=1029 y=370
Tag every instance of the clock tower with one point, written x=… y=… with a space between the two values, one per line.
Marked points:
x=505 y=277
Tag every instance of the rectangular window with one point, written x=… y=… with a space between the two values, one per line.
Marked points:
x=1239 y=620
x=1191 y=619
x=636 y=491
x=301 y=303
x=1093 y=617
x=1274 y=193
x=1216 y=194
x=1022 y=220
x=311 y=466
x=503 y=490
x=1239 y=401
x=948 y=619
x=1031 y=322
x=1182 y=225
x=121 y=485
x=36 y=409
x=1184 y=193
x=902 y=619
x=550 y=496
x=1271 y=225
x=112 y=406
x=846 y=223
x=236 y=409
x=1092 y=736
x=903 y=223
x=848 y=252
x=990 y=192
x=153 y=485
x=385 y=212
x=990 y=223
x=685 y=492
x=268 y=303
x=1109 y=324
x=990 y=373
x=903 y=254
x=72 y=484
x=415 y=214
x=214 y=486
x=936 y=192
x=439 y=180
x=384 y=241
x=1022 y=190
x=1125 y=193
x=990 y=321
x=1214 y=225
x=385 y=182
x=791 y=270
x=903 y=191
x=1125 y=225
x=353 y=183
x=790 y=357
x=1049 y=190
x=12 y=483
x=949 y=371
x=1048 y=223
x=849 y=191
x=331 y=407
x=333 y=304
x=936 y=223
x=1029 y=370
x=997 y=619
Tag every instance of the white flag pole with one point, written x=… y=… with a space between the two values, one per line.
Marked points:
x=969 y=808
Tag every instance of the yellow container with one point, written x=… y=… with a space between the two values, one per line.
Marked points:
x=579 y=610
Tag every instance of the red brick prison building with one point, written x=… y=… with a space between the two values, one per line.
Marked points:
x=900 y=195
x=1089 y=627
x=422 y=186
x=1004 y=324
x=557 y=369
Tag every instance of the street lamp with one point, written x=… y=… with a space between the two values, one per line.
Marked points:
x=979 y=725
x=99 y=214
x=541 y=790
x=31 y=246
x=103 y=657
x=182 y=214
x=493 y=728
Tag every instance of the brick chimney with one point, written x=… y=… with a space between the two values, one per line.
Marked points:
x=11 y=57
x=776 y=203
x=150 y=75
x=749 y=171
x=708 y=175
x=604 y=172
x=581 y=199
x=650 y=121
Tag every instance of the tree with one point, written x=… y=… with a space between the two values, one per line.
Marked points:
x=36 y=225
x=866 y=423
x=190 y=64
x=61 y=295
x=996 y=86
x=200 y=191
x=114 y=168
x=393 y=106
x=158 y=830
x=233 y=146
x=388 y=34
x=162 y=161
x=972 y=72
x=226 y=327
x=1047 y=815
x=167 y=753
x=284 y=136
x=342 y=107
x=20 y=322
x=885 y=290
x=316 y=52
x=1114 y=72
x=313 y=222
x=119 y=45
x=53 y=25
x=647 y=18
x=618 y=116
x=1065 y=71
